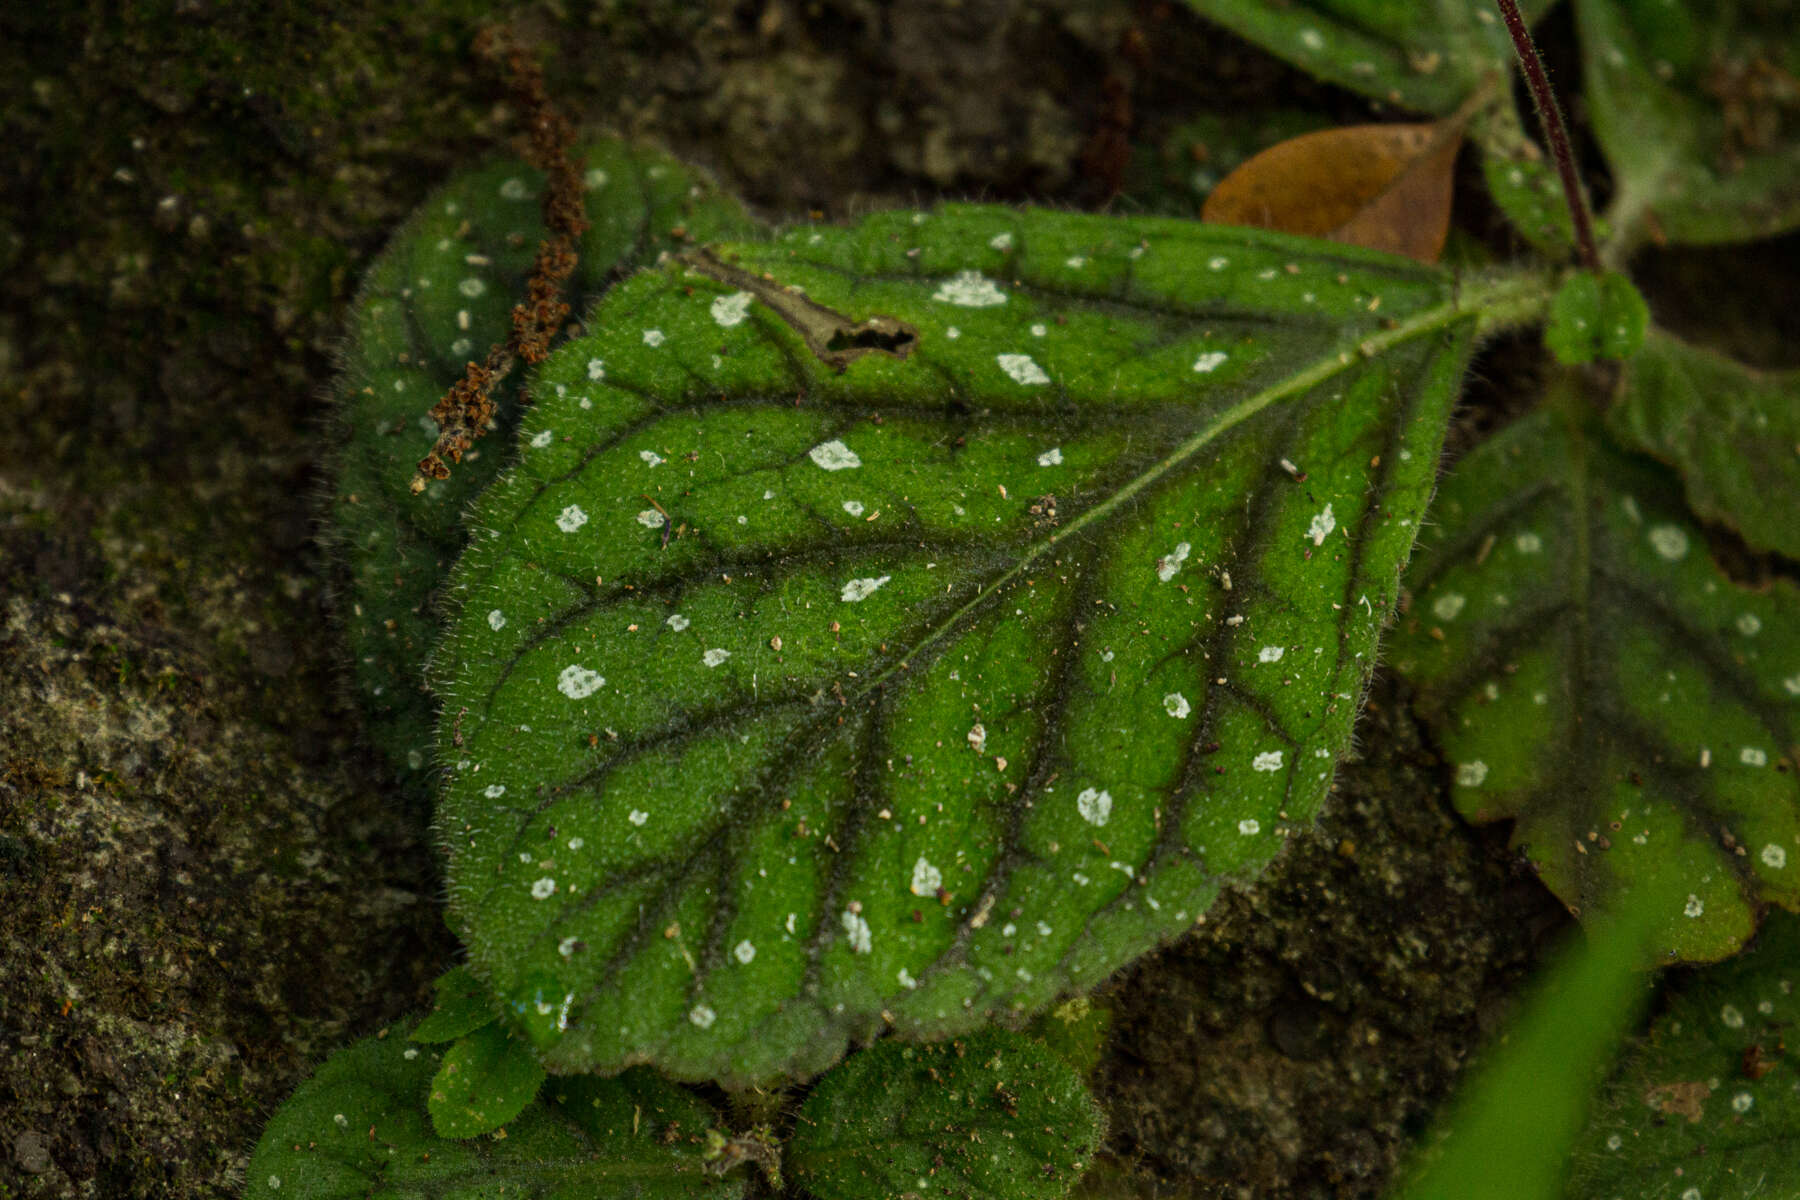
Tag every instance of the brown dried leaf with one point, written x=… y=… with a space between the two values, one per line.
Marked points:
x=1386 y=187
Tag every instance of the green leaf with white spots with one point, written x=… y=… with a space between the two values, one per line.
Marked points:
x=995 y=1116
x=358 y=1128
x=1594 y=676
x=1731 y=431
x=1521 y=180
x=463 y=1005
x=1426 y=57
x=1697 y=107
x=1596 y=316
x=487 y=1079
x=1706 y=1105
x=438 y=296
x=787 y=702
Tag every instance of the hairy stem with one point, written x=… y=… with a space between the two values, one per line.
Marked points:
x=1555 y=132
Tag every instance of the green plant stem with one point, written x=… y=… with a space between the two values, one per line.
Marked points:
x=1555 y=132
x=1507 y=300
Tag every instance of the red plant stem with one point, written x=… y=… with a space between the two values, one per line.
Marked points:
x=1555 y=132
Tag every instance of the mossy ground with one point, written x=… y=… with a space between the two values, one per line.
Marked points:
x=205 y=885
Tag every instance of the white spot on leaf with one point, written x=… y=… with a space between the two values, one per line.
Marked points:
x=496 y=620
x=651 y=458
x=1176 y=705
x=542 y=438
x=1446 y=606
x=1268 y=760
x=1022 y=369
x=744 y=952
x=578 y=683
x=926 y=879
x=731 y=310
x=1169 y=565
x=1694 y=907
x=862 y=589
x=1249 y=825
x=1321 y=527
x=854 y=507
x=653 y=337
x=1269 y=654
x=596 y=369
x=857 y=930
x=571 y=518
x=1051 y=457
x=1094 y=805
x=702 y=1016
x=543 y=889
x=714 y=657
x=1471 y=774
x=1751 y=756
x=1774 y=857
x=1209 y=362
x=834 y=456
x=969 y=289
x=649 y=518
x=1669 y=541
x=677 y=622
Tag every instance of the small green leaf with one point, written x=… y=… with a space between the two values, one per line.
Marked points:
x=1733 y=434
x=1706 y=1104
x=1426 y=57
x=1591 y=674
x=1596 y=316
x=487 y=1079
x=463 y=1005
x=1521 y=180
x=1695 y=104
x=934 y=676
x=993 y=1116
x=437 y=297
x=358 y=1128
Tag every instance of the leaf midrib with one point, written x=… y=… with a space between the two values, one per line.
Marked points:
x=1460 y=305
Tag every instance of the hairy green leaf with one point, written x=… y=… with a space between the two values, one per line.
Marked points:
x=1732 y=432
x=1697 y=105
x=1427 y=57
x=437 y=297
x=1593 y=675
x=487 y=1078
x=995 y=1116
x=913 y=623
x=1706 y=1104
x=463 y=1005
x=1521 y=180
x=359 y=1128
x=1596 y=316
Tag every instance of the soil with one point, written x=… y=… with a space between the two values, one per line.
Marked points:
x=209 y=881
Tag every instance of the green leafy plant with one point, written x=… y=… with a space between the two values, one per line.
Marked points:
x=895 y=629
